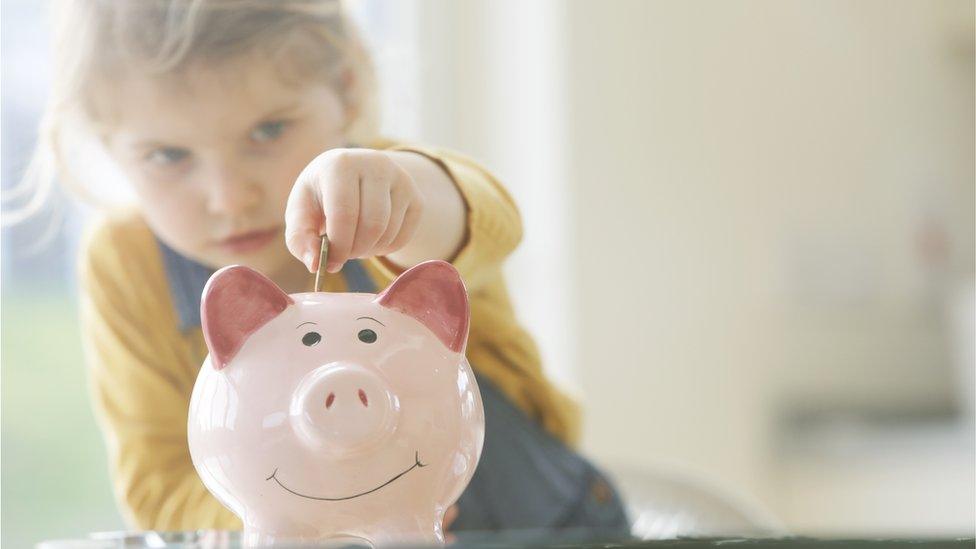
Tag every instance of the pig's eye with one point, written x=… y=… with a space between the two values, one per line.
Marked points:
x=367 y=336
x=311 y=338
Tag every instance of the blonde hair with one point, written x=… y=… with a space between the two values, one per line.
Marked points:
x=95 y=41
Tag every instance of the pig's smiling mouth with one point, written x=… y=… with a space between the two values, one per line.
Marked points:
x=417 y=463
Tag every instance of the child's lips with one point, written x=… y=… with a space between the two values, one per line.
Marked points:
x=249 y=241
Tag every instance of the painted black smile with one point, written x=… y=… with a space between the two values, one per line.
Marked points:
x=417 y=463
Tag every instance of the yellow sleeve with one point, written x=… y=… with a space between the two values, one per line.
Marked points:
x=499 y=348
x=140 y=387
x=494 y=225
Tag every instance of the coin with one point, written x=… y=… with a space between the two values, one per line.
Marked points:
x=323 y=258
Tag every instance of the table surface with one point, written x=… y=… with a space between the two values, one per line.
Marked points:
x=562 y=539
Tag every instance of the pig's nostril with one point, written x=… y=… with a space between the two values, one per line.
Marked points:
x=329 y=400
x=362 y=397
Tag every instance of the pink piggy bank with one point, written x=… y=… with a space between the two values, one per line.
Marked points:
x=322 y=416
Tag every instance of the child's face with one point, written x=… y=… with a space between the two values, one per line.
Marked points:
x=212 y=154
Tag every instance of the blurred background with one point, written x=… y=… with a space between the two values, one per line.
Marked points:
x=749 y=247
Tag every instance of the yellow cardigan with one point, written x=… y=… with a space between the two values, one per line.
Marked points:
x=142 y=366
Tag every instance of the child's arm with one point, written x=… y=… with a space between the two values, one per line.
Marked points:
x=140 y=381
x=409 y=205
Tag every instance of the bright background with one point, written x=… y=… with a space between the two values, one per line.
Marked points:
x=749 y=245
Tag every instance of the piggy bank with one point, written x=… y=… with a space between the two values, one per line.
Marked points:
x=336 y=416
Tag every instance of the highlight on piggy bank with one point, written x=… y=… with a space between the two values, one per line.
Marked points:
x=345 y=416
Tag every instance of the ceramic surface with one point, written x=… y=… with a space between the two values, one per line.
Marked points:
x=327 y=416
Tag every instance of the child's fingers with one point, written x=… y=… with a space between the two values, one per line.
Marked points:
x=411 y=220
x=374 y=216
x=303 y=225
x=399 y=210
x=341 y=204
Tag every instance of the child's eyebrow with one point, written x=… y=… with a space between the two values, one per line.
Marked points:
x=150 y=144
x=280 y=111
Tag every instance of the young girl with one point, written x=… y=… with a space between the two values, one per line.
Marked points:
x=245 y=128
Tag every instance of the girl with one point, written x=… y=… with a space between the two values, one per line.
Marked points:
x=245 y=127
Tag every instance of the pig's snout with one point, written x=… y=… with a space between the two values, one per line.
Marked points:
x=343 y=408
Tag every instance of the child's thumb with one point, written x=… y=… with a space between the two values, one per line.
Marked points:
x=303 y=226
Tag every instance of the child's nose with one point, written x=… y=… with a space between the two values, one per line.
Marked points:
x=231 y=192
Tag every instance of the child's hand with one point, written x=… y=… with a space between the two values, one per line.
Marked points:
x=367 y=204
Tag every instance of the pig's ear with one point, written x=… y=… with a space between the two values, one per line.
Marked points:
x=236 y=302
x=432 y=292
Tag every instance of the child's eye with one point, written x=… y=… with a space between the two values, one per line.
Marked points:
x=268 y=131
x=165 y=156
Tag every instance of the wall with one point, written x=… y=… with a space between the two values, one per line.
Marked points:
x=760 y=179
x=743 y=214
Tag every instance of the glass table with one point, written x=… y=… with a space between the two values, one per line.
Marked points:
x=528 y=538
